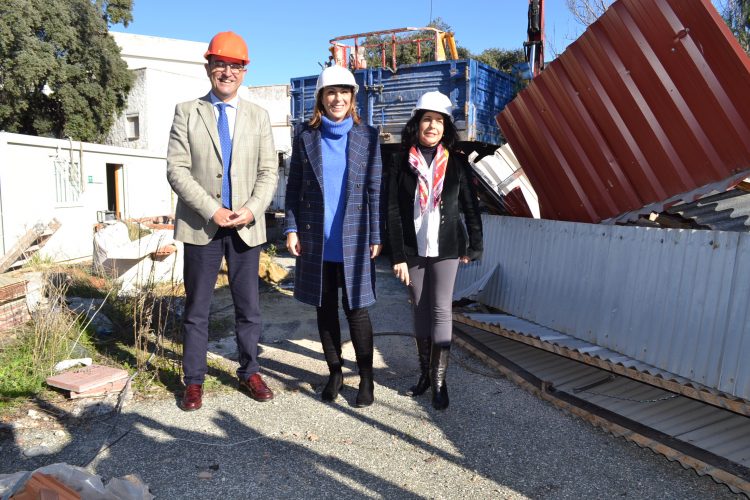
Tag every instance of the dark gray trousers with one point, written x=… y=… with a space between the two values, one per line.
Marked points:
x=432 y=280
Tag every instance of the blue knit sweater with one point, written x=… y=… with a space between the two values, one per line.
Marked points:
x=333 y=140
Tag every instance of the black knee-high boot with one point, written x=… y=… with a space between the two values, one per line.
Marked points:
x=438 y=367
x=330 y=339
x=360 y=330
x=424 y=346
x=333 y=386
x=365 y=395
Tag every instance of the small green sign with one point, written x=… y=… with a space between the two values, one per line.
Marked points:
x=91 y=179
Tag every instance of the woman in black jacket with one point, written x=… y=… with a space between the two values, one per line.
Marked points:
x=428 y=184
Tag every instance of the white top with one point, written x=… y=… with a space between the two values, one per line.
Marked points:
x=427 y=225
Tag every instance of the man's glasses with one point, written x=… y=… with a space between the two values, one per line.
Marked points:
x=223 y=65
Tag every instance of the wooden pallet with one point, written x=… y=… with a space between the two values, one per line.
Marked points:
x=29 y=244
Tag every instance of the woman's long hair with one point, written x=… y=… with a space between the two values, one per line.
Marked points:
x=410 y=132
x=319 y=111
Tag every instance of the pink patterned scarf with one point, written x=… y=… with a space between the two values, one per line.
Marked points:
x=438 y=175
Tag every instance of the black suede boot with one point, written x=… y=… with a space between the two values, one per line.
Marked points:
x=330 y=339
x=423 y=350
x=365 y=396
x=438 y=367
x=360 y=330
x=334 y=385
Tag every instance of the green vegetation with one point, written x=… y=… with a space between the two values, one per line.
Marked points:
x=271 y=250
x=39 y=262
x=501 y=59
x=137 y=230
x=145 y=338
x=61 y=74
x=18 y=377
x=28 y=360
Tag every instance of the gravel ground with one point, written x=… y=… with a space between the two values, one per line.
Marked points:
x=494 y=441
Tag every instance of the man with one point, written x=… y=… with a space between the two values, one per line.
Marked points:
x=222 y=164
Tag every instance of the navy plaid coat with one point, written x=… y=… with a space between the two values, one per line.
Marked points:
x=305 y=212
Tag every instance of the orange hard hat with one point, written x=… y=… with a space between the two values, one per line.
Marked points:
x=228 y=44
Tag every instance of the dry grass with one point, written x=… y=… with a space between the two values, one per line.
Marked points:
x=146 y=339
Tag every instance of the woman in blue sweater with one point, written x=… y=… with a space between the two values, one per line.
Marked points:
x=333 y=223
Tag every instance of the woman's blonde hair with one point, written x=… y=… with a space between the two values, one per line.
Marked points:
x=319 y=110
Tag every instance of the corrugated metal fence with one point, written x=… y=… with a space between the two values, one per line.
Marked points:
x=676 y=299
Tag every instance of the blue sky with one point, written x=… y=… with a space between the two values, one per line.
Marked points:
x=289 y=38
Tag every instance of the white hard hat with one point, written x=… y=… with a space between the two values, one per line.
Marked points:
x=335 y=75
x=434 y=101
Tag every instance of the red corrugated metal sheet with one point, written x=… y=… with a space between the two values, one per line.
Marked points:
x=653 y=100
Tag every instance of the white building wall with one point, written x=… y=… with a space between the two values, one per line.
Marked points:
x=276 y=100
x=118 y=135
x=29 y=193
x=179 y=57
x=168 y=72
x=165 y=91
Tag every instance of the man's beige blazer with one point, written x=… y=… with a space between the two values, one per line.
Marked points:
x=194 y=169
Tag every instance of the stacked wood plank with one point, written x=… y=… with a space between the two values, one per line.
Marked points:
x=13 y=308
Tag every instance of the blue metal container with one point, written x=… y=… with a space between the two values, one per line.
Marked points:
x=386 y=98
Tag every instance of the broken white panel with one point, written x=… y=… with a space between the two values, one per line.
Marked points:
x=503 y=173
x=133 y=263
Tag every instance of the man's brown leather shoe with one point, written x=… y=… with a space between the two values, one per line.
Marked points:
x=192 y=399
x=256 y=388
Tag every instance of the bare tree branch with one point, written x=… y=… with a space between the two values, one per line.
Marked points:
x=586 y=12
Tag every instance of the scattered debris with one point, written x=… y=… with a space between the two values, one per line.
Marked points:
x=28 y=244
x=37 y=451
x=35 y=298
x=66 y=482
x=505 y=179
x=156 y=222
x=43 y=486
x=269 y=270
x=90 y=308
x=108 y=388
x=70 y=363
x=155 y=257
x=94 y=380
x=14 y=310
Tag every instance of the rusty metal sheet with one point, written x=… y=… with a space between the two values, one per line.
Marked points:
x=651 y=101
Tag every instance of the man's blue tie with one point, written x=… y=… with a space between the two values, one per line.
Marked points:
x=226 y=155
